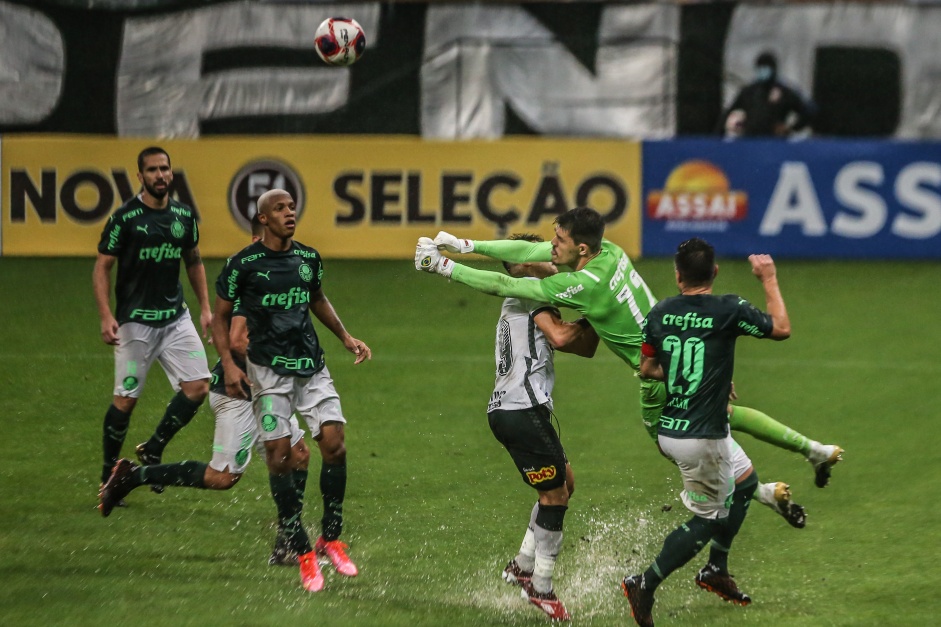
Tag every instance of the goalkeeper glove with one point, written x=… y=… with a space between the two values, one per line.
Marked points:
x=428 y=259
x=448 y=242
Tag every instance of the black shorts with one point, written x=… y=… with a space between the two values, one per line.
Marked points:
x=528 y=436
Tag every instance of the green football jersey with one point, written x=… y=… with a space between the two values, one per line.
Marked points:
x=273 y=290
x=610 y=293
x=148 y=244
x=694 y=339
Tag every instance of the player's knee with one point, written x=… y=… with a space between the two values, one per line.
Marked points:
x=278 y=456
x=196 y=391
x=125 y=404
x=333 y=452
x=300 y=456
x=229 y=479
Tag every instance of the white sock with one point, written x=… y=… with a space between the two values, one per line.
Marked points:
x=765 y=494
x=527 y=556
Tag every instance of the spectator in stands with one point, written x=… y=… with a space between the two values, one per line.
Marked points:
x=767 y=107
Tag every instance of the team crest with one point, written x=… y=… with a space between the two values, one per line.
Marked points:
x=241 y=457
x=130 y=383
x=177 y=230
x=306 y=273
x=268 y=423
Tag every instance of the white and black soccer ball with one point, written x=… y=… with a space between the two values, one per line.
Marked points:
x=340 y=41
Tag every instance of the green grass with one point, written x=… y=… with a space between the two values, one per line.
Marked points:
x=434 y=506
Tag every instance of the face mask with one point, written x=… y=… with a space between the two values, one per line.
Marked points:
x=764 y=73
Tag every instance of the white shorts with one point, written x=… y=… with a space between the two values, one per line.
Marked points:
x=276 y=398
x=740 y=461
x=176 y=346
x=237 y=432
x=708 y=474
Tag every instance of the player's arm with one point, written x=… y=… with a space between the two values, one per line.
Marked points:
x=324 y=311
x=763 y=268
x=196 y=273
x=101 y=284
x=235 y=377
x=238 y=336
x=578 y=338
x=650 y=367
x=513 y=251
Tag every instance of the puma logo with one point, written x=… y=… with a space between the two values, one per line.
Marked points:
x=143 y=228
x=264 y=274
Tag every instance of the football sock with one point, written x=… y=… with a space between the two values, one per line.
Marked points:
x=764 y=494
x=179 y=412
x=114 y=432
x=183 y=474
x=548 y=534
x=333 y=489
x=680 y=546
x=722 y=540
x=526 y=558
x=300 y=484
x=765 y=428
x=289 y=512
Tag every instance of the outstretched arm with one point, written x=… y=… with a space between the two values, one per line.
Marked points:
x=514 y=251
x=323 y=309
x=496 y=283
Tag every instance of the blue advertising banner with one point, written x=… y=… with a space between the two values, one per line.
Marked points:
x=811 y=199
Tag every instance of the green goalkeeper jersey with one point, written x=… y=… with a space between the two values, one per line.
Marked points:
x=608 y=291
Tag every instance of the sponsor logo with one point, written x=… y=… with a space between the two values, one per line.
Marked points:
x=113 y=237
x=697 y=498
x=570 y=291
x=674 y=424
x=301 y=363
x=690 y=321
x=496 y=400
x=697 y=195
x=295 y=296
x=159 y=253
x=543 y=474
x=152 y=315
x=254 y=179
x=750 y=328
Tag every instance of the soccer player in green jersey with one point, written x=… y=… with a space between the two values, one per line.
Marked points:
x=146 y=238
x=235 y=435
x=689 y=342
x=606 y=289
x=278 y=283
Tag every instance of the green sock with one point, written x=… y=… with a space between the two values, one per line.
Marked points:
x=114 y=432
x=179 y=412
x=333 y=489
x=762 y=426
x=300 y=484
x=722 y=541
x=679 y=547
x=286 y=501
x=182 y=474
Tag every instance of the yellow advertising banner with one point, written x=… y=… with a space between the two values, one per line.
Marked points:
x=358 y=197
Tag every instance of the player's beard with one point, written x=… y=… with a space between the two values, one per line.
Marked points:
x=156 y=193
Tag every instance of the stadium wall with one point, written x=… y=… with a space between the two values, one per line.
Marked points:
x=372 y=197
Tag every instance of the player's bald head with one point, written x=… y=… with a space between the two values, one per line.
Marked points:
x=268 y=200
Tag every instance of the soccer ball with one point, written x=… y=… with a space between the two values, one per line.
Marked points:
x=340 y=41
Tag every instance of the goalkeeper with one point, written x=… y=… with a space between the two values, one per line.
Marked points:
x=604 y=287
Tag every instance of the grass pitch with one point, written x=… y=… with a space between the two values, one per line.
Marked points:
x=434 y=506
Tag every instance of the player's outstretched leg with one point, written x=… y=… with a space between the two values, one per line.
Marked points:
x=640 y=598
x=710 y=577
x=777 y=496
x=178 y=414
x=765 y=428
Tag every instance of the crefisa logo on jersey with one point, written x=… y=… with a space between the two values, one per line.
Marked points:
x=254 y=179
x=697 y=196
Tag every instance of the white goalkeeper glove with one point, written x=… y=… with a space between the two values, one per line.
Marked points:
x=446 y=241
x=428 y=259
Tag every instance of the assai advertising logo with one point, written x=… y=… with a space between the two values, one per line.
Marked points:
x=697 y=196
